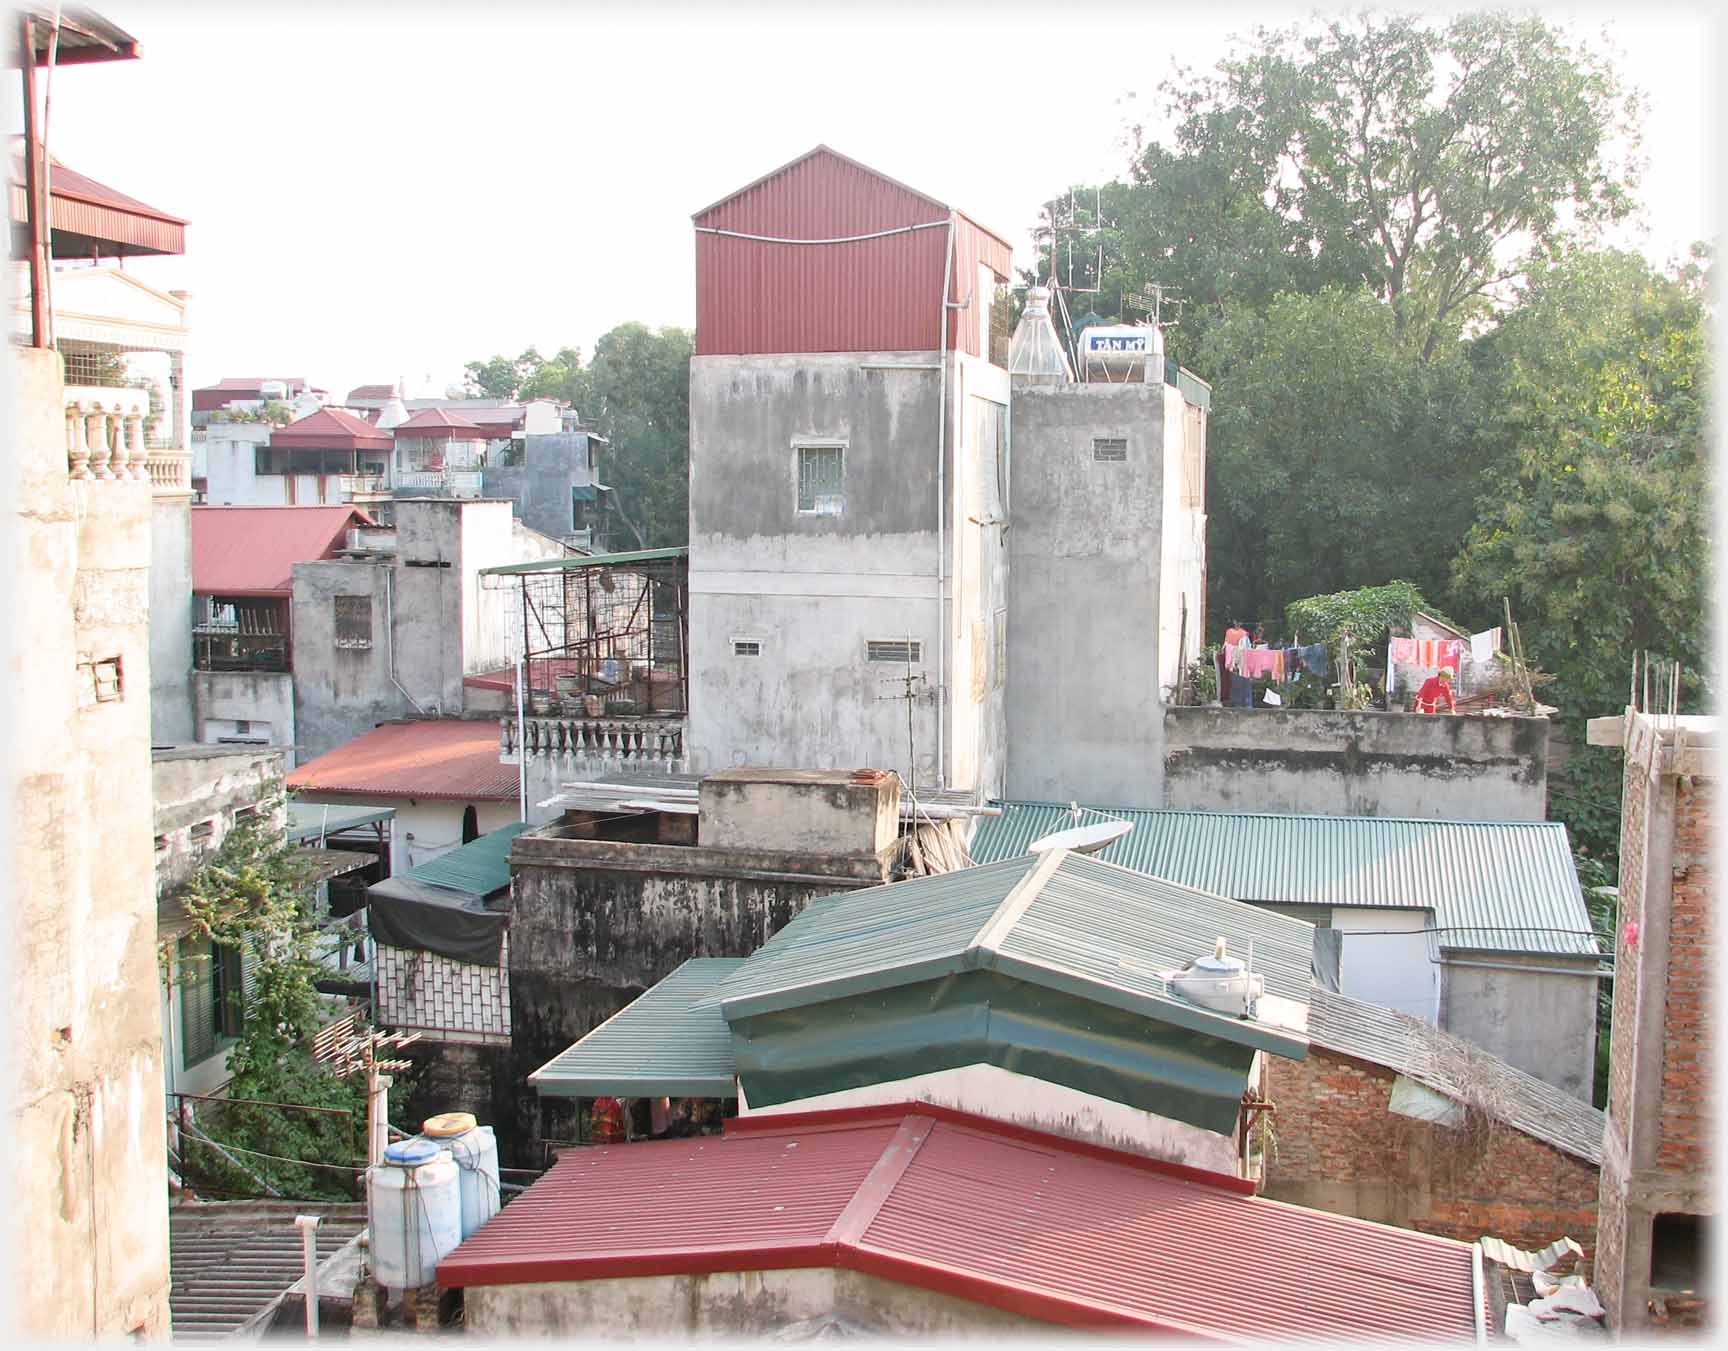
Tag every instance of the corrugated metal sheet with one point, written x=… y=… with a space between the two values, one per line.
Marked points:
x=999 y=1215
x=1457 y=1069
x=1090 y=929
x=479 y=867
x=251 y=551
x=587 y=561
x=313 y=820
x=331 y=429
x=661 y=1045
x=229 y=1261
x=867 y=295
x=446 y=759
x=82 y=206
x=1494 y=886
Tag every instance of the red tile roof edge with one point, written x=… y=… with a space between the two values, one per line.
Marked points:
x=397 y=794
x=845 y=1118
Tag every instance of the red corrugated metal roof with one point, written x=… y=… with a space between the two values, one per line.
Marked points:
x=331 y=429
x=82 y=206
x=251 y=551
x=372 y=392
x=439 y=422
x=1001 y=1215
x=209 y=398
x=867 y=278
x=437 y=758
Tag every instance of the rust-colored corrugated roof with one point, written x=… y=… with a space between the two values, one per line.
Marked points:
x=331 y=429
x=251 y=551
x=1001 y=1215
x=83 y=210
x=439 y=422
x=372 y=392
x=438 y=758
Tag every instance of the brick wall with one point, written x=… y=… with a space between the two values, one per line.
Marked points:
x=1634 y=805
x=1688 y=1126
x=422 y=990
x=1341 y=1149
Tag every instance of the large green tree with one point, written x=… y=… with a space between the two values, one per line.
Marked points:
x=638 y=394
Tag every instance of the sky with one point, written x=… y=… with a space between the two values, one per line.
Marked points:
x=384 y=190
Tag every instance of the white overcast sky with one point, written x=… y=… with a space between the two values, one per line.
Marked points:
x=382 y=190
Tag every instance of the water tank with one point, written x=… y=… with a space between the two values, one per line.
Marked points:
x=1036 y=354
x=415 y=1202
x=1122 y=354
x=1221 y=983
x=474 y=1150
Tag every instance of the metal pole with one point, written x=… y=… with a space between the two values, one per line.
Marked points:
x=40 y=230
x=521 y=739
x=308 y=1226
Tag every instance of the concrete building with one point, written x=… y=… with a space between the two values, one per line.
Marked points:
x=327 y=457
x=248 y=396
x=1657 y=1247
x=554 y=480
x=848 y=456
x=87 y=1182
x=392 y=629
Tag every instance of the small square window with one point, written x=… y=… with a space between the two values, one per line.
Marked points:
x=821 y=480
x=746 y=647
x=353 y=621
x=1110 y=449
x=894 y=649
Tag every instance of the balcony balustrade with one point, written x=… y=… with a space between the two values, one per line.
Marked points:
x=105 y=433
x=638 y=742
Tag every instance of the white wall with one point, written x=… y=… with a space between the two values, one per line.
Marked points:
x=426 y=829
x=1391 y=969
x=231 y=465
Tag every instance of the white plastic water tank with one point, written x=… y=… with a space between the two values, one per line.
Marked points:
x=1122 y=352
x=415 y=1202
x=474 y=1150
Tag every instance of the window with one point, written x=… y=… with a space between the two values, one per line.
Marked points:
x=1110 y=449
x=1193 y=458
x=746 y=647
x=203 y=830
x=242 y=728
x=894 y=649
x=353 y=621
x=1679 y=1250
x=210 y=1003
x=821 y=480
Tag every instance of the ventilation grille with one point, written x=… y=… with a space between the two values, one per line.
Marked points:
x=1111 y=449
x=907 y=653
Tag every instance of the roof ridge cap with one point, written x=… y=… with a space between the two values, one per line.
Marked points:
x=1014 y=905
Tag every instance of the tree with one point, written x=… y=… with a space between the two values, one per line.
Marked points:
x=639 y=383
x=1334 y=459
x=254 y=896
x=1420 y=162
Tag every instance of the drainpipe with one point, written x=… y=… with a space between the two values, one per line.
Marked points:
x=390 y=633
x=942 y=520
x=308 y=1227
x=521 y=741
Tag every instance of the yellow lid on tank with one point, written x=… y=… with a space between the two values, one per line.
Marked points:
x=449 y=1123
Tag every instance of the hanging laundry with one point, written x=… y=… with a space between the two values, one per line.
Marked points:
x=1451 y=654
x=1233 y=636
x=1315 y=659
x=1258 y=661
x=1221 y=659
x=1483 y=646
x=1401 y=649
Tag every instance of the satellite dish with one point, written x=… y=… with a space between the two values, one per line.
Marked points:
x=1082 y=839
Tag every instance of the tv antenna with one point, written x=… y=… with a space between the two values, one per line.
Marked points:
x=1151 y=299
x=914 y=685
x=348 y=1050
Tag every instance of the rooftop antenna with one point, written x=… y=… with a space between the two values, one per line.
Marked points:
x=347 y=1050
x=912 y=685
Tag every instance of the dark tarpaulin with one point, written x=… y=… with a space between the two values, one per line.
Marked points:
x=1328 y=949
x=456 y=924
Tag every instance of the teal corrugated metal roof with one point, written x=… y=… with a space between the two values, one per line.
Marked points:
x=1495 y=886
x=587 y=561
x=479 y=868
x=309 y=820
x=1088 y=928
x=669 y=1043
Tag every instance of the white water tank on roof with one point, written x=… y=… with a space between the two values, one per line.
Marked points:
x=414 y=1204
x=1122 y=354
x=474 y=1150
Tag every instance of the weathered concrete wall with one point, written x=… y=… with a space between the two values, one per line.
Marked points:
x=1003 y=1095
x=205 y=786
x=1340 y=1149
x=812 y=590
x=1541 y=1019
x=540 y=486
x=342 y=692
x=262 y=699
x=806 y=811
x=1086 y=593
x=593 y=924
x=1459 y=768
x=171 y=715
x=89 y=1250
x=726 y=1304
x=231 y=464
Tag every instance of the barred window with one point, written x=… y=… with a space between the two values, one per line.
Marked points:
x=211 y=994
x=821 y=480
x=353 y=621
x=894 y=649
x=746 y=647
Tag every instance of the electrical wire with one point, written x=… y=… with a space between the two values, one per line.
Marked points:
x=845 y=239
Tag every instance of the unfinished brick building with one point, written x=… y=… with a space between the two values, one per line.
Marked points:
x=1658 y=1206
x=1390 y=1119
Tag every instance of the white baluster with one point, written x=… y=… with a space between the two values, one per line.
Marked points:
x=137 y=458
x=77 y=450
x=96 y=437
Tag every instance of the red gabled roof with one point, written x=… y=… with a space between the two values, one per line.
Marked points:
x=251 y=551
x=1041 y=1226
x=438 y=758
x=440 y=422
x=331 y=429
x=372 y=392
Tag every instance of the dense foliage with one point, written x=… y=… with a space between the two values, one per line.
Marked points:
x=255 y=897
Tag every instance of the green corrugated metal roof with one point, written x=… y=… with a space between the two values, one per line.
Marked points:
x=1494 y=886
x=1087 y=928
x=479 y=868
x=309 y=820
x=660 y=1046
x=586 y=561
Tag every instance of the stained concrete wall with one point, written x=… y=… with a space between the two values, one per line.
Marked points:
x=812 y=590
x=595 y=923
x=262 y=699
x=1003 y=1095
x=727 y=1304
x=171 y=712
x=1091 y=636
x=89 y=1250
x=540 y=486
x=1541 y=1018
x=1469 y=767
